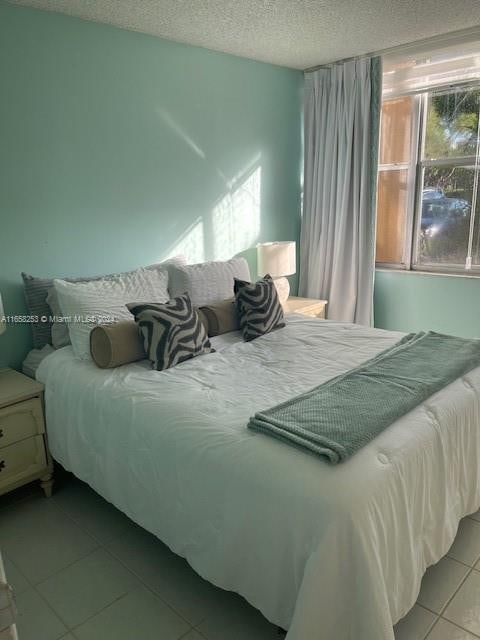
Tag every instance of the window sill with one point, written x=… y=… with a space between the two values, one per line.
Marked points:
x=424 y=272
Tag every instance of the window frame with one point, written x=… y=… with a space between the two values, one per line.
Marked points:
x=416 y=169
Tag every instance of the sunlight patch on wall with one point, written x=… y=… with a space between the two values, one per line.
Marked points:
x=191 y=244
x=236 y=217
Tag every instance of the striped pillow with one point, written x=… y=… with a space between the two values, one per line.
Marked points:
x=172 y=331
x=258 y=306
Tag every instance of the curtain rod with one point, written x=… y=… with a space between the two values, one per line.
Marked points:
x=467 y=35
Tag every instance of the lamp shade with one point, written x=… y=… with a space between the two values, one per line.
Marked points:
x=276 y=258
x=3 y=324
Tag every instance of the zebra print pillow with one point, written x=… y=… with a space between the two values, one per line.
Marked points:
x=259 y=309
x=172 y=331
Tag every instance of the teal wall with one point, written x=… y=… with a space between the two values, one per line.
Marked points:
x=118 y=149
x=413 y=301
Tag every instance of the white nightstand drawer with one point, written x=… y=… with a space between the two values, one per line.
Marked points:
x=22 y=459
x=20 y=421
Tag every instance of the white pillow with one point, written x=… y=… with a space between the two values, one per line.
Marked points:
x=207 y=282
x=60 y=334
x=179 y=260
x=103 y=301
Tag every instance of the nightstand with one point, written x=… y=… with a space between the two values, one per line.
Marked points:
x=305 y=306
x=24 y=455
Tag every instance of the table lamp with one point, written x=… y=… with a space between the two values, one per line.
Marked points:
x=279 y=260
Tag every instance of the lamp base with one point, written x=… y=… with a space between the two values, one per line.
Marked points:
x=282 y=286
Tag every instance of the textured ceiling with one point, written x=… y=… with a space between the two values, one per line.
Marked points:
x=293 y=33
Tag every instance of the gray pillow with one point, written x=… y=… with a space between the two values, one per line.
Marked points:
x=36 y=293
x=207 y=282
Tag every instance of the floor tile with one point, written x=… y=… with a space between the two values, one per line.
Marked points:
x=139 y=614
x=87 y=586
x=464 y=609
x=23 y=492
x=466 y=547
x=445 y=630
x=440 y=583
x=233 y=618
x=41 y=539
x=55 y=544
x=94 y=514
x=35 y=620
x=15 y=577
x=166 y=573
x=415 y=625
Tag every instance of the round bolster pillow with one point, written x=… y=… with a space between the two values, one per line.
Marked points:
x=112 y=345
x=219 y=317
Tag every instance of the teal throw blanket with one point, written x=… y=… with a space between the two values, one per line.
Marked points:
x=342 y=415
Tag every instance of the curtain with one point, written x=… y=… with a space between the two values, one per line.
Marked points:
x=337 y=240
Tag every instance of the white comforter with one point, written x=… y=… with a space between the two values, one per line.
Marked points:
x=329 y=552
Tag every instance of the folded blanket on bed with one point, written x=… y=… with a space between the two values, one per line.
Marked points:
x=340 y=416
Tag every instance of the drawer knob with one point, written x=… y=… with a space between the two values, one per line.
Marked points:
x=2 y=465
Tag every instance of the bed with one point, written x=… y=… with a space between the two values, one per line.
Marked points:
x=327 y=552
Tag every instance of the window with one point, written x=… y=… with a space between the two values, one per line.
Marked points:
x=448 y=179
x=428 y=181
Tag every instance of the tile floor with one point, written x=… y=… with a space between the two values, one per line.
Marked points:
x=82 y=571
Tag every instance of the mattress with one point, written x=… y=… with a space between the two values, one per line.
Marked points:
x=327 y=552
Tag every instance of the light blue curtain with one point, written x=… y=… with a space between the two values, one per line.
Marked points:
x=337 y=243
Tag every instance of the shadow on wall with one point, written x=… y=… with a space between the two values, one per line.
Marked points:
x=198 y=225
x=232 y=227
x=229 y=227
x=137 y=148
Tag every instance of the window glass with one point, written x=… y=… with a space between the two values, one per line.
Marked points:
x=452 y=124
x=446 y=209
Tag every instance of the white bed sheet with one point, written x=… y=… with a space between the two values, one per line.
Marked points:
x=33 y=359
x=328 y=552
